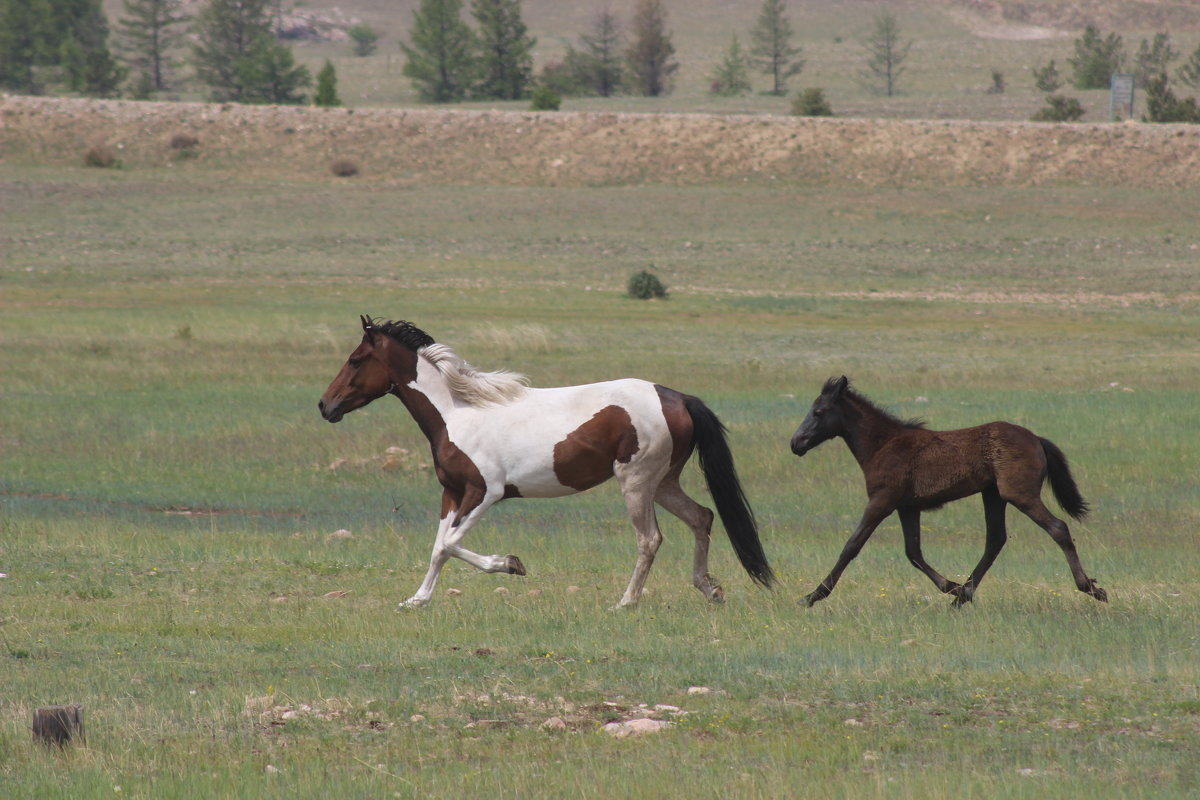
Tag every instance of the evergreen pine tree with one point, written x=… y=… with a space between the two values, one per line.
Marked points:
x=885 y=54
x=505 y=49
x=237 y=56
x=150 y=30
x=327 y=86
x=600 y=60
x=771 y=47
x=441 y=60
x=1189 y=73
x=650 y=54
x=732 y=75
x=1096 y=59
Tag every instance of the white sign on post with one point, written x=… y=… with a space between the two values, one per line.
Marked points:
x=1120 y=101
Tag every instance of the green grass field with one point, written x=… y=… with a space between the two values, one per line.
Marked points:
x=167 y=491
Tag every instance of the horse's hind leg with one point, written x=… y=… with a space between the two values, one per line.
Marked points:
x=910 y=523
x=672 y=497
x=997 y=535
x=1036 y=510
x=639 y=502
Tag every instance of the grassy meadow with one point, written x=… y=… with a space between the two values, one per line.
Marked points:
x=168 y=491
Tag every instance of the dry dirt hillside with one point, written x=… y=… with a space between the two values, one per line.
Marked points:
x=494 y=147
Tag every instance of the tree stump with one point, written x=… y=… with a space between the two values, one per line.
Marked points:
x=58 y=724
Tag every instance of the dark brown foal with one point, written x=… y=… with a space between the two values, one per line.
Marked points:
x=910 y=469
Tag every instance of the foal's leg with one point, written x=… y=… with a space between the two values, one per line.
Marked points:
x=876 y=512
x=1036 y=510
x=910 y=523
x=451 y=530
x=997 y=534
x=672 y=497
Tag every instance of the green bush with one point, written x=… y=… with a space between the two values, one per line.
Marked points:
x=811 y=103
x=1059 y=109
x=645 y=285
x=546 y=99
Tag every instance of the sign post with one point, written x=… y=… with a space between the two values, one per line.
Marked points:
x=1120 y=98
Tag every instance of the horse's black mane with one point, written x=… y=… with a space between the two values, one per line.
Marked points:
x=852 y=393
x=405 y=333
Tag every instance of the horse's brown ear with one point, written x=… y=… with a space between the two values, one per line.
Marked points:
x=841 y=386
x=367 y=325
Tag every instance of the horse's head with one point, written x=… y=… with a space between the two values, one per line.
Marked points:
x=370 y=372
x=825 y=420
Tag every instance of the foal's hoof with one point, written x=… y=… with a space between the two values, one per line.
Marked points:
x=810 y=600
x=514 y=566
x=717 y=595
x=1099 y=594
x=962 y=596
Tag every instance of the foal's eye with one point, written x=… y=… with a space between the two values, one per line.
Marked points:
x=354 y=362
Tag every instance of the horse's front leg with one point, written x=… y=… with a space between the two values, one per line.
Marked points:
x=876 y=512
x=457 y=519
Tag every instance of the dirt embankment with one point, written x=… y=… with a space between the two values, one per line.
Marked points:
x=456 y=146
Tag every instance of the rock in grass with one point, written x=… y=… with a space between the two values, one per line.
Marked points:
x=635 y=727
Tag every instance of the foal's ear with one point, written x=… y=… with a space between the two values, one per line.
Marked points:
x=839 y=387
x=367 y=324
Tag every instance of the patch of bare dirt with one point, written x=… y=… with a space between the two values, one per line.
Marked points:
x=457 y=146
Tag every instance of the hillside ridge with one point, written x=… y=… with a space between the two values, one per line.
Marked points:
x=458 y=146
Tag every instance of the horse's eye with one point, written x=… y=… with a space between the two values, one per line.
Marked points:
x=354 y=362
x=818 y=412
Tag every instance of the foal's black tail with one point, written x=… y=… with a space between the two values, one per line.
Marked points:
x=716 y=462
x=1065 y=491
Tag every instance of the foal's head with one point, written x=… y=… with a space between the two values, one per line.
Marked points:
x=826 y=419
x=376 y=367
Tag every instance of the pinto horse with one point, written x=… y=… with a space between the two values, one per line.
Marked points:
x=909 y=469
x=495 y=438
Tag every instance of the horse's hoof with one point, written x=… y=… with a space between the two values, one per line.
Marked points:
x=963 y=594
x=717 y=595
x=1099 y=594
x=410 y=603
x=514 y=566
x=809 y=600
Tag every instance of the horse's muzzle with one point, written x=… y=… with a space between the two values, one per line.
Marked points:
x=331 y=412
x=800 y=446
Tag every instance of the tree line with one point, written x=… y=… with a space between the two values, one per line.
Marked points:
x=232 y=48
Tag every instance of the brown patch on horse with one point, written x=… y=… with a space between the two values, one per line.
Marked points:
x=679 y=423
x=585 y=458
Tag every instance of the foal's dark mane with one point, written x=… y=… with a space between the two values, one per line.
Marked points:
x=854 y=396
x=404 y=333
